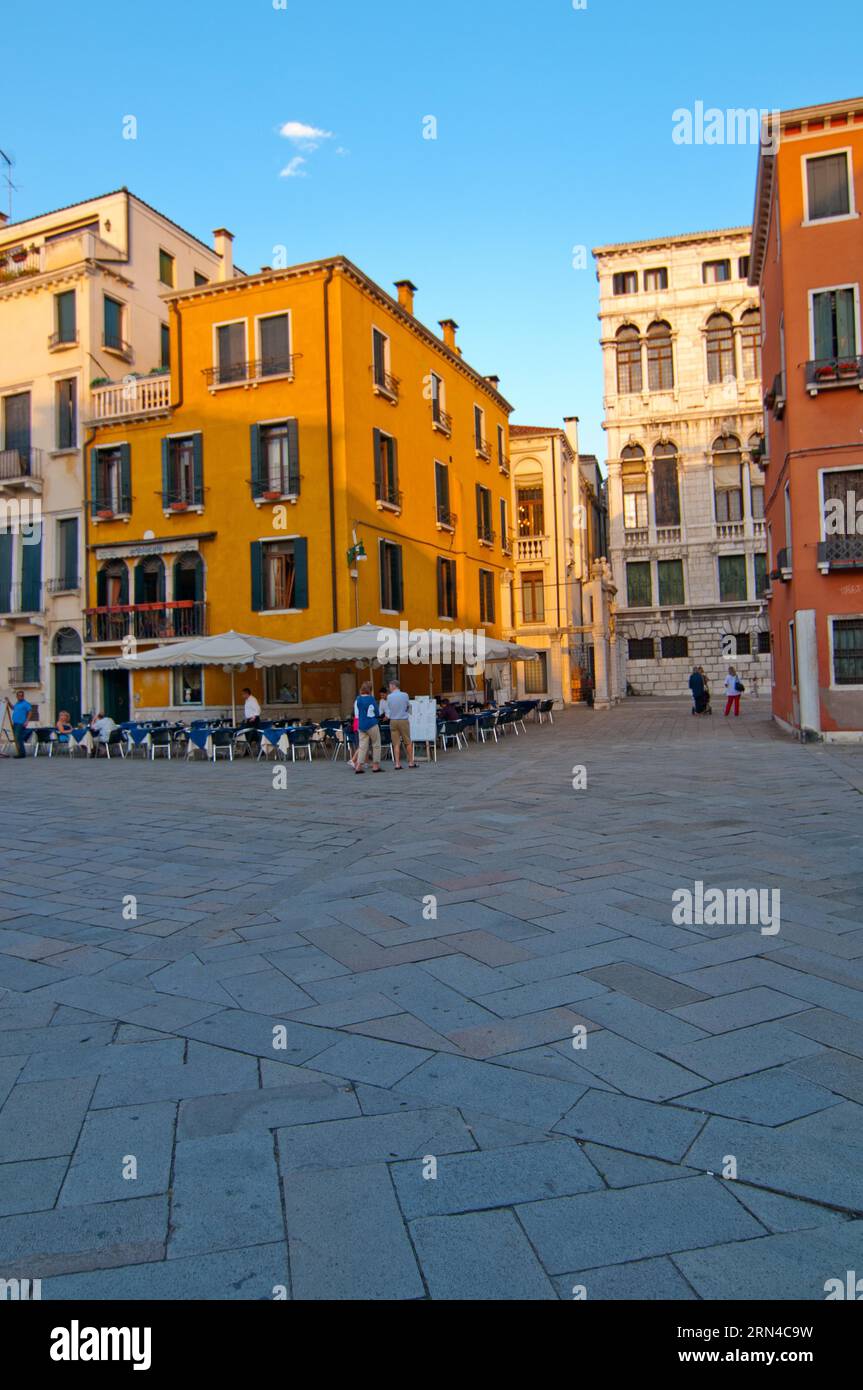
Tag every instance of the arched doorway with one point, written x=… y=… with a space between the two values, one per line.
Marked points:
x=66 y=652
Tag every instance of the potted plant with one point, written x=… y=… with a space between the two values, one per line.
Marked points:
x=848 y=368
x=271 y=495
x=179 y=506
x=105 y=513
x=99 y=381
x=19 y=254
x=825 y=373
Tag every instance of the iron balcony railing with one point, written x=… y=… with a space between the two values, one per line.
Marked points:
x=841 y=552
x=236 y=373
x=107 y=507
x=482 y=446
x=17 y=261
x=147 y=621
x=484 y=533
x=825 y=373
x=441 y=419
x=24 y=675
x=22 y=598
x=57 y=340
x=390 y=496
x=285 y=483
x=66 y=584
x=119 y=346
x=182 y=499
x=18 y=464
x=503 y=463
x=446 y=518
x=386 y=383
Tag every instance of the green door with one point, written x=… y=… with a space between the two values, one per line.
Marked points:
x=115 y=695
x=67 y=689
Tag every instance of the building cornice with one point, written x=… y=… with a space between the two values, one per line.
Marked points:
x=628 y=248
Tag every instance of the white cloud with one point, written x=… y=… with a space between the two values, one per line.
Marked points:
x=307 y=137
x=294 y=169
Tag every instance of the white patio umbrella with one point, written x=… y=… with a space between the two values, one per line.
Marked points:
x=364 y=644
x=233 y=651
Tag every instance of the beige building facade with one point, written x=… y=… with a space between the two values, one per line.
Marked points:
x=681 y=341
x=84 y=338
x=559 y=593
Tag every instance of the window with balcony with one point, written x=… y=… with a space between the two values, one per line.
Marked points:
x=828 y=187
x=112 y=585
x=628 y=356
x=716 y=272
x=670 y=582
x=65 y=318
x=834 y=325
x=666 y=488
x=479 y=439
x=625 y=282
x=660 y=361
x=639 y=584
x=112 y=324
x=531 y=511
x=732 y=579
x=536 y=675
x=166 y=268
x=750 y=344
x=385 y=383
x=757 y=492
x=533 y=597
x=633 y=478
x=484 y=520
x=727 y=479
x=189 y=580
x=187 y=685
x=502 y=456
x=110 y=481
x=274 y=345
x=641 y=649
x=447 y=605
x=275 y=449
x=66 y=407
x=486 y=596
x=720 y=350
x=440 y=418
x=182 y=472
x=656 y=279
x=762 y=583
x=392 y=577
x=231 y=364
x=280 y=575
x=505 y=538
x=443 y=511
x=386 y=462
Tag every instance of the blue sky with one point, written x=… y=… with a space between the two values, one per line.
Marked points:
x=553 y=131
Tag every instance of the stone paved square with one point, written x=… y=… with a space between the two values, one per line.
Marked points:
x=436 y=1037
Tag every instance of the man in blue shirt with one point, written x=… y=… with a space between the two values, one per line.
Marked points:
x=20 y=714
x=366 y=714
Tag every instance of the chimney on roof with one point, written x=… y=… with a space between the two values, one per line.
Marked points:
x=570 y=429
x=4 y=218
x=223 y=241
x=449 y=327
x=493 y=381
x=406 y=290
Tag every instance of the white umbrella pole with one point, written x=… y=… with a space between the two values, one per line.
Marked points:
x=233 y=701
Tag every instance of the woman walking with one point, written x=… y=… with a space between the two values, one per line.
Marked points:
x=734 y=688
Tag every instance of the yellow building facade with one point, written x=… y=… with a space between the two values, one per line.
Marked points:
x=313 y=420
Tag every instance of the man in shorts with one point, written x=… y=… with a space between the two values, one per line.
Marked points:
x=400 y=728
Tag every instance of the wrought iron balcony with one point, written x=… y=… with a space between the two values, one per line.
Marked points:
x=24 y=675
x=446 y=518
x=17 y=261
x=104 y=508
x=485 y=535
x=250 y=373
x=827 y=373
x=66 y=584
x=840 y=553
x=118 y=346
x=21 y=466
x=387 y=496
x=153 y=622
x=441 y=419
x=62 y=340
x=503 y=464
x=482 y=446
x=386 y=385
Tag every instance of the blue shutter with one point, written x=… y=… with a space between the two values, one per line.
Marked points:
x=166 y=472
x=257 y=460
x=294 y=458
x=257 y=563
x=126 y=477
x=31 y=577
x=198 y=468
x=378 y=475
x=301 y=572
x=398 y=579
x=5 y=571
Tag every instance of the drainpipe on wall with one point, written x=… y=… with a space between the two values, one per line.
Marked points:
x=330 y=466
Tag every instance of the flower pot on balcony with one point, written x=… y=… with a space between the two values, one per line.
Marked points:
x=825 y=374
x=179 y=506
x=105 y=513
x=271 y=495
x=848 y=369
x=19 y=256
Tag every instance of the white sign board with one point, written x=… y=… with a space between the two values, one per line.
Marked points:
x=423 y=719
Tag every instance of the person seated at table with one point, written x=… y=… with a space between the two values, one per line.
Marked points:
x=449 y=711
x=251 y=719
x=383 y=708
x=63 y=726
x=102 y=726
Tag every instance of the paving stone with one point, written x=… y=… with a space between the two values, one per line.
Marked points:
x=620 y=1122
x=342 y=1013
x=20 y=1043
x=795 y=1266
x=643 y=1280
x=655 y=990
x=750 y=1006
x=209 y=1071
x=834 y=1070
x=599 y=1228
x=621 y=1169
x=843 y=1034
x=373 y=1138
x=346 y=1236
x=640 y=1023
x=492 y=1089
x=69 y=1239
x=493 y=1178
x=31 y=1185
x=518 y=1033
x=370 y=1059
x=297 y=1103
x=635 y=1070
x=267 y=992
x=131 y=1059
x=543 y=994
x=253 y=1033
x=784 y=1213
x=108 y=1140
x=768 y=1098
x=43 y=1119
x=480 y=1255
x=251 y=1273
x=404 y=1028
x=745 y=1051
x=225 y=1194
x=782 y=1161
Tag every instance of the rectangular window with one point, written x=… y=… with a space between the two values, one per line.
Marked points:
x=625 y=282
x=728 y=487
x=641 y=649
x=757 y=502
x=166 y=268
x=656 y=279
x=742 y=644
x=484 y=523
x=828 y=187
x=848 y=651
x=274 y=334
x=392 y=587
x=386 y=469
x=716 y=272
x=380 y=357
x=533 y=596
x=764 y=644
x=441 y=490
x=165 y=347
x=112 y=324
x=480 y=441
x=30 y=660
x=505 y=539
x=834 y=325
x=438 y=400
x=279 y=574
x=67 y=414
x=446 y=588
x=536 y=675
x=531 y=516
x=182 y=472
x=110 y=481
x=502 y=458
x=670 y=582
x=639 y=585
x=275 y=459
x=761 y=581
x=231 y=352
x=282 y=685
x=743 y=268
x=486 y=596
x=67 y=552
x=187 y=685
x=674 y=648
x=634 y=481
x=732 y=579
x=66 y=326
x=200 y=279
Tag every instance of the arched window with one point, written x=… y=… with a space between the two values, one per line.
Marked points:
x=720 y=349
x=66 y=643
x=666 y=490
x=728 y=478
x=660 y=363
x=188 y=578
x=755 y=448
x=633 y=473
x=750 y=344
x=629 y=376
x=112 y=585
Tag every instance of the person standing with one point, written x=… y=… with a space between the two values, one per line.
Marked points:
x=733 y=691
x=400 y=727
x=696 y=685
x=20 y=712
x=251 y=719
x=366 y=712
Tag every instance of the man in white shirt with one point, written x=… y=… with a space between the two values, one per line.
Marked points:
x=102 y=726
x=251 y=719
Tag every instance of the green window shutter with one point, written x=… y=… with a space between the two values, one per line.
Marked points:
x=454 y=582
x=198 y=468
x=5 y=571
x=31 y=578
x=294 y=460
x=199 y=581
x=139 y=583
x=440 y=587
x=395 y=470
x=398 y=579
x=94 y=481
x=257 y=460
x=166 y=472
x=823 y=319
x=126 y=477
x=257 y=563
x=639 y=587
x=301 y=572
x=479 y=509
x=376 y=435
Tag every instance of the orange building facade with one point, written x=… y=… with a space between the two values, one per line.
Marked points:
x=807 y=259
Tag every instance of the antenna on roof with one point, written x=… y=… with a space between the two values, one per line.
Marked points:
x=9 y=184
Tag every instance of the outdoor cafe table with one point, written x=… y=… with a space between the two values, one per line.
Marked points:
x=138 y=736
x=83 y=738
